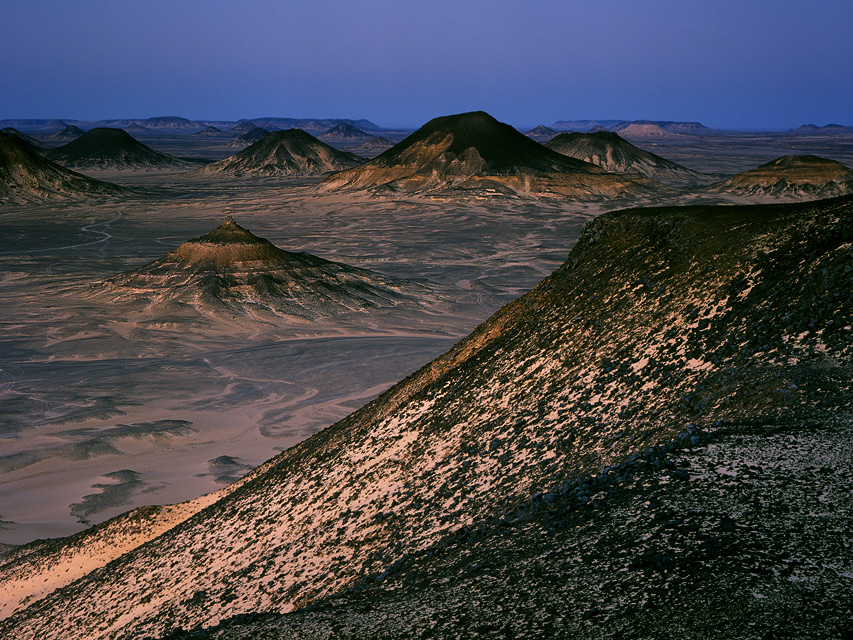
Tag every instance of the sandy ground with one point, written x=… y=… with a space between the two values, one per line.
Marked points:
x=104 y=407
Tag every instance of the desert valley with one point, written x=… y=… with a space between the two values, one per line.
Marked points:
x=284 y=378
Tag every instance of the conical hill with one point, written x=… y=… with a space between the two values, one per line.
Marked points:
x=231 y=268
x=473 y=151
x=291 y=152
x=110 y=148
x=26 y=175
x=613 y=153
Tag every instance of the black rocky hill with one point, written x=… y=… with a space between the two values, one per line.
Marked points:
x=231 y=269
x=26 y=175
x=655 y=442
x=611 y=152
x=106 y=147
x=292 y=152
x=473 y=151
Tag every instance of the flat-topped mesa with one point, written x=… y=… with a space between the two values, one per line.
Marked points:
x=791 y=176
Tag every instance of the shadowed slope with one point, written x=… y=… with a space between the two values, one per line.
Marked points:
x=613 y=153
x=26 y=175
x=473 y=151
x=791 y=177
x=232 y=269
x=662 y=323
x=284 y=153
x=105 y=147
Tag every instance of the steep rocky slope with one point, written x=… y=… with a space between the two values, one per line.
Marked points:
x=791 y=177
x=108 y=148
x=292 y=152
x=474 y=152
x=232 y=270
x=613 y=153
x=656 y=433
x=25 y=175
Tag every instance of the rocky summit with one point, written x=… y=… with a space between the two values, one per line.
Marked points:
x=473 y=152
x=611 y=152
x=291 y=152
x=655 y=442
x=791 y=177
x=110 y=148
x=25 y=175
x=231 y=269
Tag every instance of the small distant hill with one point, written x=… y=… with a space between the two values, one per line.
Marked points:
x=108 y=148
x=284 y=153
x=71 y=132
x=542 y=133
x=613 y=153
x=210 y=131
x=232 y=269
x=473 y=152
x=791 y=177
x=25 y=175
x=312 y=125
x=584 y=125
x=645 y=130
x=345 y=133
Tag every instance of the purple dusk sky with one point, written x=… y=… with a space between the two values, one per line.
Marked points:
x=729 y=64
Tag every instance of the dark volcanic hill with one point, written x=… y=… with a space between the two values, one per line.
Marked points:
x=791 y=177
x=232 y=269
x=473 y=151
x=250 y=137
x=107 y=148
x=613 y=153
x=31 y=142
x=284 y=153
x=210 y=130
x=655 y=442
x=26 y=175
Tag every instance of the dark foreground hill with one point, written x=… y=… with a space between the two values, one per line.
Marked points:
x=231 y=269
x=26 y=175
x=655 y=442
x=791 y=177
x=613 y=153
x=474 y=152
x=108 y=148
x=292 y=152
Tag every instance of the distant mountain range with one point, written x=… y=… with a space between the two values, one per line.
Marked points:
x=178 y=125
x=696 y=128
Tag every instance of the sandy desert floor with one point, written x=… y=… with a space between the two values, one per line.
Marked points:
x=104 y=407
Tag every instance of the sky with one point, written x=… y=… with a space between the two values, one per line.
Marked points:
x=745 y=64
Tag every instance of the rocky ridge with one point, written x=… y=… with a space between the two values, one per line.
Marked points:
x=591 y=461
